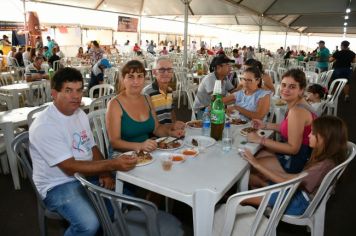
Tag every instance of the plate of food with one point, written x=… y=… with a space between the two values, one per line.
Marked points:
x=196 y=140
x=190 y=152
x=247 y=130
x=280 y=102
x=169 y=143
x=143 y=158
x=235 y=121
x=195 y=124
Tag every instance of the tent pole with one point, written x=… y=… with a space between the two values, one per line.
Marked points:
x=285 y=39
x=25 y=22
x=259 y=38
x=185 y=52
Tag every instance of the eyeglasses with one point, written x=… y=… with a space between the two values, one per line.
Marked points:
x=247 y=80
x=162 y=70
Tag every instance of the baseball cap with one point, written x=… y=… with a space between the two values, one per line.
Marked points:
x=321 y=41
x=345 y=43
x=221 y=59
x=104 y=62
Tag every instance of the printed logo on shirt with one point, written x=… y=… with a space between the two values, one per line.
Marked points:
x=81 y=142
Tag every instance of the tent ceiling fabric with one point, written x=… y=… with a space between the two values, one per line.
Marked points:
x=304 y=16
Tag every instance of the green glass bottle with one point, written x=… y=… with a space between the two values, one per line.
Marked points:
x=217 y=113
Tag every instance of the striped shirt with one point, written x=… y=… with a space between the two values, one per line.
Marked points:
x=163 y=103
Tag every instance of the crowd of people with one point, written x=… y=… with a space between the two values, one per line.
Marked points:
x=137 y=113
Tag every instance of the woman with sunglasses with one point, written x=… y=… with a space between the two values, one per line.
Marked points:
x=251 y=101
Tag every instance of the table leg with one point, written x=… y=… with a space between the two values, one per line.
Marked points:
x=15 y=99
x=203 y=212
x=8 y=128
x=243 y=183
x=119 y=185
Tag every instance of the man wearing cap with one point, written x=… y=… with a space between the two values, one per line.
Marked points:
x=322 y=57
x=221 y=66
x=342 y=65
x=97 y=72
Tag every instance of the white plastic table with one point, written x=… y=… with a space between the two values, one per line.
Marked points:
x=199 y=182
x=9 y=121
x=14 y=90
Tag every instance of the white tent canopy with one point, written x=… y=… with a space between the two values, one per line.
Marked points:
x=303 y=16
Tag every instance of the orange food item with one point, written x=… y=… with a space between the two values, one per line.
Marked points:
x=177 y=158
x=189 y=152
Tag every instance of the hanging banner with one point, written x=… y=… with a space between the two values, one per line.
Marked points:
x=127 y=24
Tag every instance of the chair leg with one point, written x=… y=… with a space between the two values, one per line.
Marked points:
x=318 y=221
x=41 y=220
x=4 y=163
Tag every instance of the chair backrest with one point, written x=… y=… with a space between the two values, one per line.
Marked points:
x=273 y=75
x=285 y=192
x=32 y=114
x=100 y=197
x=328 y=183
x=104 y=89
x=335 y=90
x=191 y=97
x=20 y=146
x=281 y=71
x=312 y=77
x=56 y=65
x=100 y=102
x=325 y=80
x=38 y=93
x=98 y=127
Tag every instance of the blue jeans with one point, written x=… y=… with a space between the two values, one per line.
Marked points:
x=72 y=202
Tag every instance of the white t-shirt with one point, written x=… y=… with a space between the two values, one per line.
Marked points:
x=205 y=90
x=54 y=138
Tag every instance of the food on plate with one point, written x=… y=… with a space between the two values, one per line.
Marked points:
x=195 y=142
x=169 y=145
x=189 y=152
x=235 y=121
x=195 y=124
x=143 y=157
x=247 y=130
x=177 y=158
x=280 y=102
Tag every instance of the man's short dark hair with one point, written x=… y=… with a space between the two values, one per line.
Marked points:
x=64 y=75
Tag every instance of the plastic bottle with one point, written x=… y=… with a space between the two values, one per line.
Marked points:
x=206 y=123
x=217 y=113
x=227 y=138
x=50 y=73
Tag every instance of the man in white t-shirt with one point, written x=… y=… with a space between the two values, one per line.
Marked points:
x=61 y=144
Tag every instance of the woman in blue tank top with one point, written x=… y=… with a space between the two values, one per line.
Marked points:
x=130 y=119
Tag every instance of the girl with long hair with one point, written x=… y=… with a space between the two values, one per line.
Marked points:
x=328 y=139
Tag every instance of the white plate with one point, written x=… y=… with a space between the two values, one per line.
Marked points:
x=190 y=149
x=203 y=140
x=192 y=121
x=238 y=124
x=167 y=141
x=139 y=164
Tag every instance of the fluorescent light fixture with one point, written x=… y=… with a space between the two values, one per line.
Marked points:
x=346 y=17
x=348 y=10
x=345 y=23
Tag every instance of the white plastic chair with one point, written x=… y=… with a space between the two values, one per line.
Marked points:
x=324 y=78
x=191 y=97
x=335 y=90
x=100 y=102
x=98 y=127
x=314 y=215
x=234 y=219
x=312 y=77
x=38 y=93
x=104 y=89
x=281 y=71
x=34 y=113
x=273 y=75
x=141 y=218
